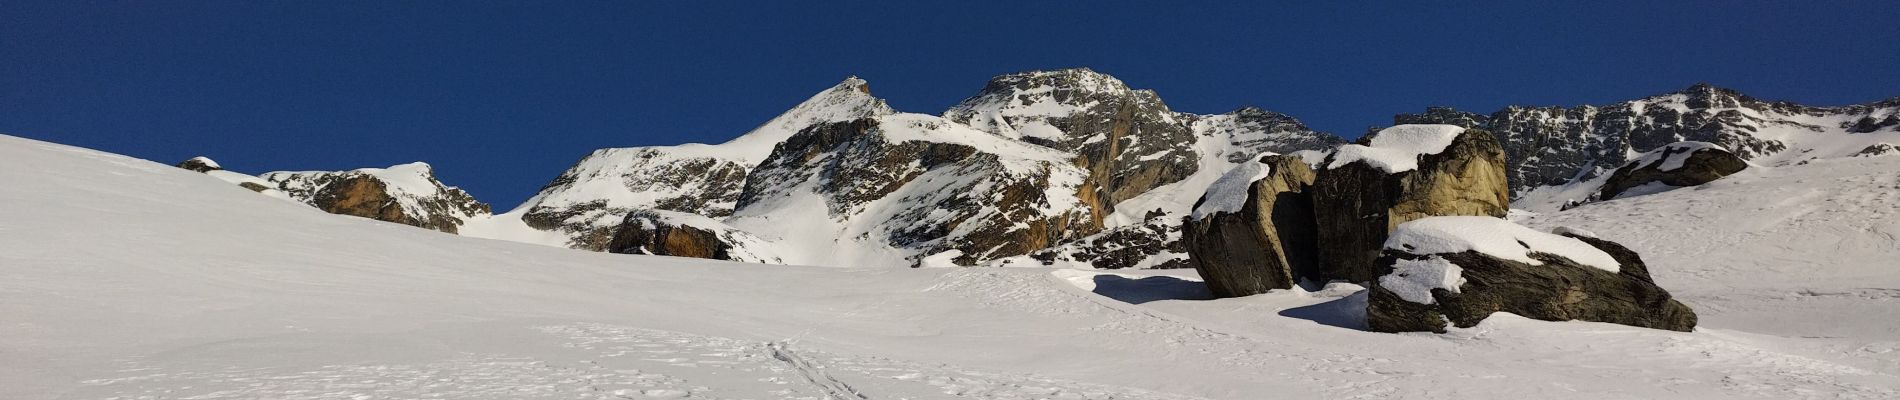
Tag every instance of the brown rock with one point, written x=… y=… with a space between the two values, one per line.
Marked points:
x=1267 y=244
x=1358 y=204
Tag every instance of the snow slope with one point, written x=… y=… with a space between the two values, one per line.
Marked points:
x=132 y=279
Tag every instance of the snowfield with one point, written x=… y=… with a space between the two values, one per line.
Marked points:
x=129 y=279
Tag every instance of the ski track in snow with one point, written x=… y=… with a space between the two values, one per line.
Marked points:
x=614 y=362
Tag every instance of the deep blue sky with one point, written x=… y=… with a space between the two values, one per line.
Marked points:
x=501 y=96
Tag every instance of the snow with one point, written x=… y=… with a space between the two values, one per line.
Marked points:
x=621 y=179
x=407 y=183
x=132 y=279
x=1413 y=280
x=1229 y=193
x=942 y=259
x=240 y=179
x=206 y=161
x=1494 y=237
x=1671 y=157
x=1397 y=149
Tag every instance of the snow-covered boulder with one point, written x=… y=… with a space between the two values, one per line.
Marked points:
x=200 y=164
x=1460 y=270
x=1676 y=165
x=406 y=194
x=669 y=233
x=1254 y=231
x=1400 y=174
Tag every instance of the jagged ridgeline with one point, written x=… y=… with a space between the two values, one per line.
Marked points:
x=1549 y=148
x=1066 y=168
x=1044 y=167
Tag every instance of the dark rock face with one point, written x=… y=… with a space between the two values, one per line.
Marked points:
x=199 y=164
x=417 y=200
x=1555 y=145
x=1268 y=243
x=1679 y=165
x=1559 y=290
x=1357 y=204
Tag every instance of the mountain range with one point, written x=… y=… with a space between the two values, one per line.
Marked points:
x=1066 y=167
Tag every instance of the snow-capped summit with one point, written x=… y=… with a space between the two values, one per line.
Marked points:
x=581 y=207
x=848 y=100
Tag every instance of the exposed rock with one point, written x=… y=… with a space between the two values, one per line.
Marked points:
x=1460 y=270
x=254 y=186
x=1153 y=244
x=1877 y=150
x=1677 y=165
x=1070 y=165
x=406 y=194
x=677 y=234
x=1128 y=140
x=1553 y=146
x=199 y=164
x=1264 y=242
x=589 y=201
x=919 y=184
x=1401 y=174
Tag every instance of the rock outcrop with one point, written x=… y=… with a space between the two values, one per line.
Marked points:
x=918 y=184
x=1401 y=174
x=1254 y=229
x=407 y=194
x=1878 y=149
x=668 y=233
x=200 y=164
x=1128 y=140
x=1676 y=165
x=1460 y=270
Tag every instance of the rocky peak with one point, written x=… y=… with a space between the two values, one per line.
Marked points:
x=846 y=101
x=406 y=194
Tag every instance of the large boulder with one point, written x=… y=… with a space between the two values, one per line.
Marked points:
x=1400 y=174
x=1676 y=165
x=670 y=233
x=1460 y=270
x=1254 y=231
x=406 y=194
